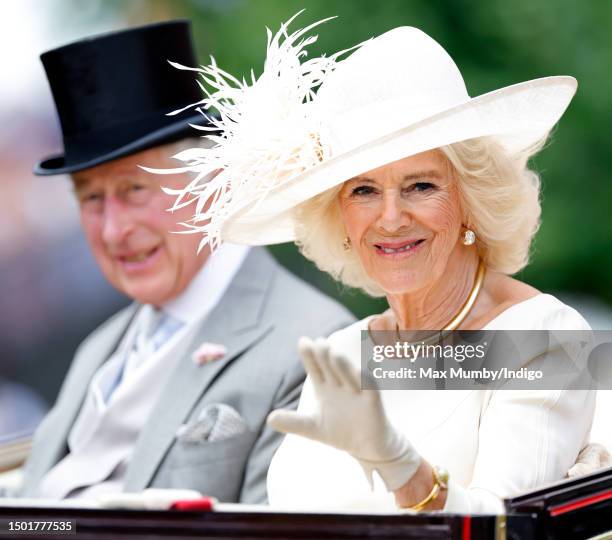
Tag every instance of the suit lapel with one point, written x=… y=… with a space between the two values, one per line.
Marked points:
x=236 y=322
x=55 y=429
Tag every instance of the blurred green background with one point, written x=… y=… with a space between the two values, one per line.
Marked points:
x=495 y=43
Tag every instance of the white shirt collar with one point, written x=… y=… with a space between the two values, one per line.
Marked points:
x=208 y=285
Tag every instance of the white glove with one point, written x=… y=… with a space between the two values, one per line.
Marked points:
x=349 y=418
x=591 y=458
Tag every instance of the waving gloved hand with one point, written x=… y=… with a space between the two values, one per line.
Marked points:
x=349 y=418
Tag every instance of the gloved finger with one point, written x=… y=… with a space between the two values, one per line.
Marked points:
x=340 y=377
x=322 y=356
x=346 y=372
x=292 y=422
x=367 y=381
x=306 y=348
x=579 y=469
x=595 y=452
x=592 y=457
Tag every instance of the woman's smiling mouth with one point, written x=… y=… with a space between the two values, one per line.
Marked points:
x=391 y=249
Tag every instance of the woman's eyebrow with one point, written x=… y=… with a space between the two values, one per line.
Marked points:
x=430 y=173
x=361 y=179
x=423 y=174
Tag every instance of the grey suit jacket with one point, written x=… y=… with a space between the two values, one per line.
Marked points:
x=259 y=319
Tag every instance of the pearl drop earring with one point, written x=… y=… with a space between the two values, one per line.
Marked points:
x=469 y=237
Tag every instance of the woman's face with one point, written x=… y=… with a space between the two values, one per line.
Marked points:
x=404 y=221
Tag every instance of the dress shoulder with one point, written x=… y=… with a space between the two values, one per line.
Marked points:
x=540 y=312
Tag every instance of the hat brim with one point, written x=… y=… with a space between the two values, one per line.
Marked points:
x=55 y=165
x=518 y=116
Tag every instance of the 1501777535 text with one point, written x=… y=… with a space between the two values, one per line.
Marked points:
x=15 y=527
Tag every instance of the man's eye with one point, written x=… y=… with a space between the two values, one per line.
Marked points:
x=90 y=197
x=137 y=193
x=362 y=190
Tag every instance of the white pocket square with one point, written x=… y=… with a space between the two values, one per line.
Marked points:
x=215 y=422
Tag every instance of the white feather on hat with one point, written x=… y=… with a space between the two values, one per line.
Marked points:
x=269 y=131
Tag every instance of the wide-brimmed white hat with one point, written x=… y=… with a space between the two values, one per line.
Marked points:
x=396 y=95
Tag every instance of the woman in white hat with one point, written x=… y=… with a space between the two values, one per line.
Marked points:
x=392 y=179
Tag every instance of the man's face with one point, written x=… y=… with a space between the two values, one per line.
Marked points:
x=126 y=222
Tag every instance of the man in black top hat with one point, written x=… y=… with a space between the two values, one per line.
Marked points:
x=173 y=391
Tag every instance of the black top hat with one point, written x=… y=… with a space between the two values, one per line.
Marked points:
x=113 y=92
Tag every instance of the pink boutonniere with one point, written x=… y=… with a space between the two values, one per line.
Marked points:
x=208 y=352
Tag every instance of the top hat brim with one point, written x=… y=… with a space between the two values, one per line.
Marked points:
x=181 y=129
x=517 y=116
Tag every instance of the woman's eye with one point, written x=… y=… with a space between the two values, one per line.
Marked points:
x=422 y=186
x=362 y=190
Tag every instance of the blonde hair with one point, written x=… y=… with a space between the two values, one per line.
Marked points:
x=500 y=200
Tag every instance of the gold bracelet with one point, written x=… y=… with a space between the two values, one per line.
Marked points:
x=440 y=478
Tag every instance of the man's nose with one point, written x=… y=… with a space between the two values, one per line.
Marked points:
x=392 y=215
x=118 y=222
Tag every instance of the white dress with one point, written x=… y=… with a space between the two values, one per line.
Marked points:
x=495 y=444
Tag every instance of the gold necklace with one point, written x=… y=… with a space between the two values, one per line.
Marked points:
x=465 y=309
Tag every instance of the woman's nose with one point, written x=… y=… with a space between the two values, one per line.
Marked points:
x=392 y=215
